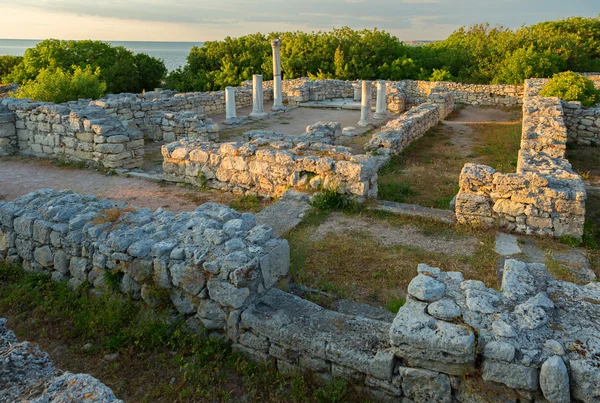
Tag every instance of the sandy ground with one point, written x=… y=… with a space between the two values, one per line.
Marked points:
x=24 y=175
x=389 y=235
x=293 y=121
x=469 y=115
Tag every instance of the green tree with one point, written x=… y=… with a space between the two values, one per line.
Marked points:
x=571 y=86
x=7 y=65
x=528 y=63
x=119 y=68
x=441 y=75
x=56 y=85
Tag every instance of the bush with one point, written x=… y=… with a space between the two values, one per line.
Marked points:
x=7 y=64
x=330 y=199
x=120 y=69
x=58 y=86
x=441 y=75
x=571 y=86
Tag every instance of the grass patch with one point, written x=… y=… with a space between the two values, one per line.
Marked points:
x=426 y=172
x=250 y=203
x=329 y=200
x=353 y=264
x=158 y=361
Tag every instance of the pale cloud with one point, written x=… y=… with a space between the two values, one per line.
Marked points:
x=200 y=20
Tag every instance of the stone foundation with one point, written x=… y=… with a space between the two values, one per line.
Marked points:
x=472 y=94
x=411 y=125
x=453 y=340
x=68 y=133
x=269 y=164
x=545 y=196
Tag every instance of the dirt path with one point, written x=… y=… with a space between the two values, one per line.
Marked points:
x=24 y=175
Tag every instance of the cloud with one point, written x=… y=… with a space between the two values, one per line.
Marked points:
x=209 y=18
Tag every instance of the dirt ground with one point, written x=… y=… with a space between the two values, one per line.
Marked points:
x=292 y=122
x=470 y=134
x=22 y=175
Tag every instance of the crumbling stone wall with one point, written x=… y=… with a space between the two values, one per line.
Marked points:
x=472 y=94
x=583 y=124
x=28 y=374
x=268 y=167
x=71 y=133
x=173 y=126
x=545 y=196
x=453 y=340
x=210 y=263
x=411 y=125
x=8 y=133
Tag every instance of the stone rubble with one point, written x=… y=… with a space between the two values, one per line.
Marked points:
x=27 y=374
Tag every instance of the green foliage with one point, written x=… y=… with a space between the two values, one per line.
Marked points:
x=571 y=86
x=120 y=69
x=56 y=85
x=395 y=305
x=7 y=64
x=330 y=199
x=476 y=54
x=205 y=368
x=441 y=75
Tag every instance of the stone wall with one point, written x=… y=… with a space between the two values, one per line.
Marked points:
x=472 y=94
x=70 y=133
x=173 y=126
x=8 y=133
x=268 y=168
x=453 y=340
x=583 y=124
x=411 y=125
x=210 y=263
x=28 y=375
x=545 y=196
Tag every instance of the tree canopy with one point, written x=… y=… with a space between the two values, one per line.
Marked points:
x=477 y=54
x=120 y=69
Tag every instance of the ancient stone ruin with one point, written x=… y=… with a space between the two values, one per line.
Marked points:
x=453 y=340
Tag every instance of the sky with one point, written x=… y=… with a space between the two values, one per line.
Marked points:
x=202 y=20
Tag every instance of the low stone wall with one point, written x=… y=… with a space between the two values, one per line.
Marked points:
x=583 y=124
x=28 y=375
x=70 y=133
x=8 y=133
x=453 y=340
x=210 y=263
x=318 y=90
x=173 y=126
x=545 y=196
x=411 y=125
x=472 y=94
x=268 y=168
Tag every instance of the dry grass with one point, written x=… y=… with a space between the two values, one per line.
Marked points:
x=427 y=171
x=111 y=215
x=355 y=265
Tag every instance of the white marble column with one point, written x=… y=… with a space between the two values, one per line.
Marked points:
x=357 y=89
x=365 y=104
x=381 y=105
x=230 y=114
x=257 y=97
x=277 y=95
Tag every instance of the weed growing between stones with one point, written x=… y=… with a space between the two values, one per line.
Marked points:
x=111 y=215
x=330 y=200
x=158 y=360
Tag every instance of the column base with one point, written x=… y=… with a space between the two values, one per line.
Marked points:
x=380 y=115
x=257 y=115
x=231 y=121
x=363 y=123
x=276 y=108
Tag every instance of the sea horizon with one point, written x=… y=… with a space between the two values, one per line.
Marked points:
x=173 y=53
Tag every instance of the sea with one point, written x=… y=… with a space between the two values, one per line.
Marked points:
x=174 y=54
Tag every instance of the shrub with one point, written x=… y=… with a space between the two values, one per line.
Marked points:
x=58 y=86
x=441 y=75
x=332 y=200
x=120 y=69
x=571 y=86
x=7 y=64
